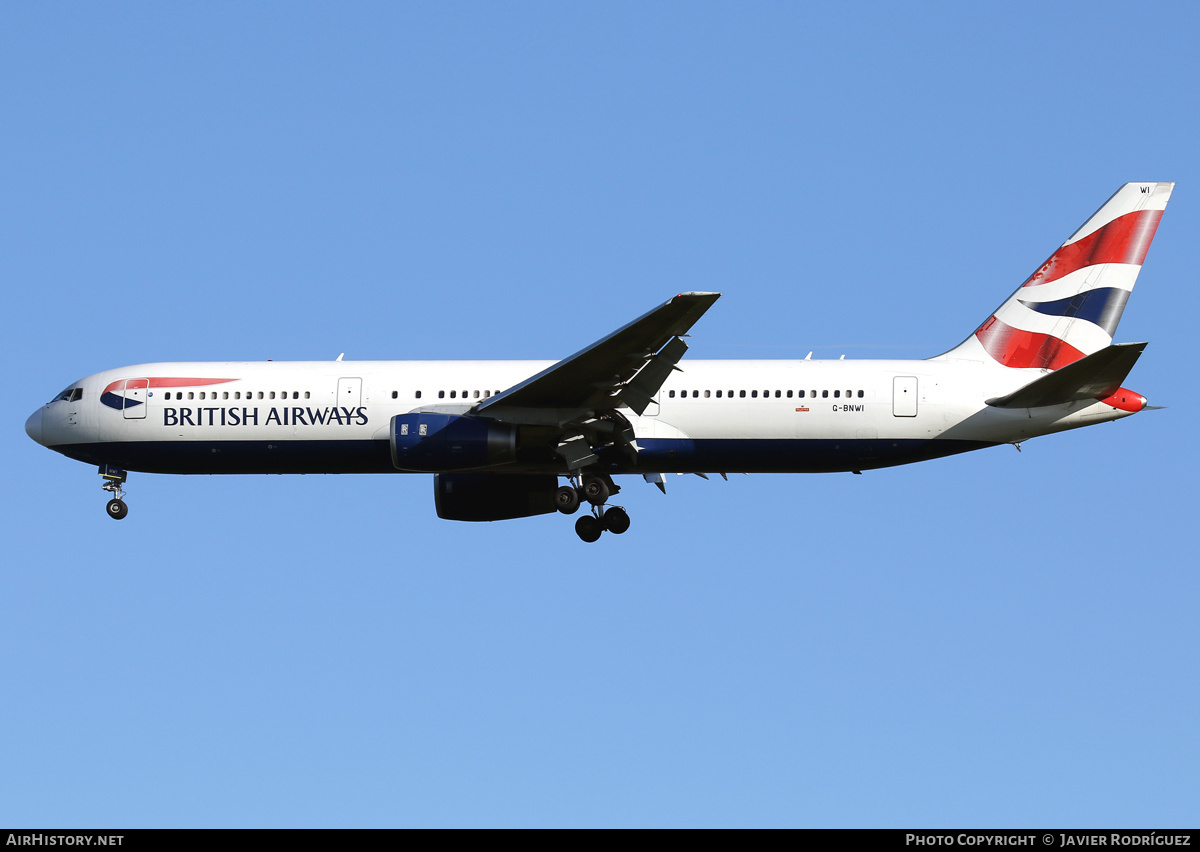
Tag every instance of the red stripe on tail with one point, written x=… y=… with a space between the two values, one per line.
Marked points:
x=1014 y=347
x=1125 y=239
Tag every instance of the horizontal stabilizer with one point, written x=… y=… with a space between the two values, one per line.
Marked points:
x=1094 y=376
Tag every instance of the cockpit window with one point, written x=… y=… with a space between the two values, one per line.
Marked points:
x=69 y=395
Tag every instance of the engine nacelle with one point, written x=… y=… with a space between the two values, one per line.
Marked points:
x=493 y=496
x=429 y=443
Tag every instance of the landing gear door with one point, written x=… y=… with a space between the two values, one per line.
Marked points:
x=904 y=396
x=349 y=393
x=134 y=407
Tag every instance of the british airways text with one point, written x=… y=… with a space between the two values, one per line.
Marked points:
x=284 y=416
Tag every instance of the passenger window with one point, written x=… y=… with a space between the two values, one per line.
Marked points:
x=718 y=394
x=225 y=395
x=860 y=394
x=671 y=394
x=452 y=393
x=476 y=394
x=849 y=394
x=295 y=394
x=272 y=394
x=754 y=394
x=695 y=394
x=191 y=395
x=260 y=394
x=800 y=394
x=789 y=394
x=487 y=394
x=741 y=394
x=777 y=393
x=441 y=394
x=418 y=395
x=824 y=394
x=707 y=394
x=202 y=394
x=395 y=394
x=837 y=394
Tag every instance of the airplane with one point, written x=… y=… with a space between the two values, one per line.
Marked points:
x=498 y=436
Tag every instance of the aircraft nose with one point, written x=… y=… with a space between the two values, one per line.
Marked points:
x=33 y=426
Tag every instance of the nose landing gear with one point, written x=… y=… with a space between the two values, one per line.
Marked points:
x=113 y=478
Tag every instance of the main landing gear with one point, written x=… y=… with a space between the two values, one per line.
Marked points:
x=595 y=490
x=113 y=479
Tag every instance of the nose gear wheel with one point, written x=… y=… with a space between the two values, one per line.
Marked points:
x=113 y=479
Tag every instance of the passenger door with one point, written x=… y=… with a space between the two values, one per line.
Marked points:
x=349 y=393
x=134 y=407
x=904 y=396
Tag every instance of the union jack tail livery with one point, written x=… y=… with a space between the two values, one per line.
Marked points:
x=1071 y=305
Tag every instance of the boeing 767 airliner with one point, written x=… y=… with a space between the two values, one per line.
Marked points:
x=499 y=435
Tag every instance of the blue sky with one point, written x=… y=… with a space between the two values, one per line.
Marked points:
x=993 y=639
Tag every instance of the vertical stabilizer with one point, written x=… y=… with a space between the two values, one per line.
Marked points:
x=1071 y=305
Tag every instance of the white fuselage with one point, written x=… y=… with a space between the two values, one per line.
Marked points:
x=712 y=416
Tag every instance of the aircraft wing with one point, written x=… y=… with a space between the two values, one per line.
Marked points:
x=626 y=367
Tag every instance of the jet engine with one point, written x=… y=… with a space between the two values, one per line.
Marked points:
x=493 y=496
x=427 y=442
